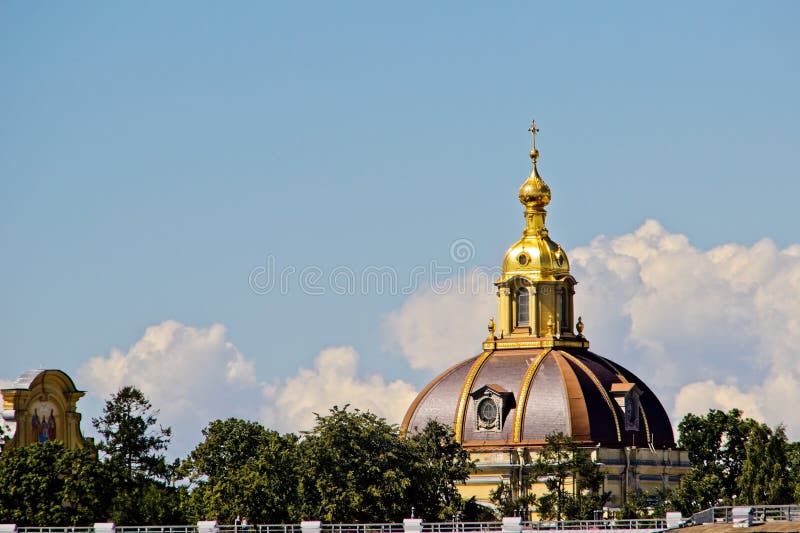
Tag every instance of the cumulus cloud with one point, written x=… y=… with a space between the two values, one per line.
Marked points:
x=434 y=329
x=704 y=328
x=291 y=404
x=178 y=368
x=700 y=396
x=714 y=328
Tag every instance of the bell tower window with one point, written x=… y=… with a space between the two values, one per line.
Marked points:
x=523 y=308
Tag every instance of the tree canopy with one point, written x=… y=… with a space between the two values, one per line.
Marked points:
x=131 y=437
x=48 y=484
x=353 y=466
x=734 y=460
x=241 y=468
x=573 y=482
x=131 y=444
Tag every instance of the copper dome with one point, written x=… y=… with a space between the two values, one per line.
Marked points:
x=559 y=389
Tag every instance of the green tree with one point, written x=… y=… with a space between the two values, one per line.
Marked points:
x=793 y=460
x=436 y=462
x=352 y=470
x=647 y=504
x=572 y=479
x=508 y=504
x=46 y=484
x=132 y=442
x=735 y=460
x=716 y=444
x=765 y=475
x=242 y=468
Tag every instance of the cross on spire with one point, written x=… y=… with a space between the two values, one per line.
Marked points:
x=534 y=130
x=534 y=151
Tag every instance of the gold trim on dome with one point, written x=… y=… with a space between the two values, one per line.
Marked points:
x=648 y=435
x=421 y=396
x=538 y=343
x=458 y=423
x=524 y=390
x=600 y=387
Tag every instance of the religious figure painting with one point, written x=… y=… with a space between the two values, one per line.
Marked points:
x=43 y=422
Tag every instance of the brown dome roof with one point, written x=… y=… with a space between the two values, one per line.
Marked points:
x=550 y=390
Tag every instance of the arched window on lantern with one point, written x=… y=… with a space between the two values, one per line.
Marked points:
x=523 y=308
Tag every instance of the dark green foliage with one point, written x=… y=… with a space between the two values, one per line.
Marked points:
x=352 y=470
x=765 y=476
x=45 y=483
x=716 y=446
x=562 y=461
x=241 y=468
x=507 y=504
x=131 y=445
x=648 y=504
x=572 y=479
x=436 y=463
x=793 y=462
x=131 y=441
x=734 y=460
x=352 y=467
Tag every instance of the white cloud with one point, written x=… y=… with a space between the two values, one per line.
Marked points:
x=434 y=329
x=704 y=328
x=773 y=400
x=195 y=375
x=715 y=328
x=700 y=396
x=334 y=380
x=178 y=368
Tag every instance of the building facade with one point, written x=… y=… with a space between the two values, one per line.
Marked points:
x=40 y=406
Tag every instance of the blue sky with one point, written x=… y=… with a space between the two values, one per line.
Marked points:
x=152 y=155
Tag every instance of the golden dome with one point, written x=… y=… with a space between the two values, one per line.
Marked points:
x=537 y=258
x=534 y=192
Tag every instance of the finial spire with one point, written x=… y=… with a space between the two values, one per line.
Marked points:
x=534 y=193
x=534 y=151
